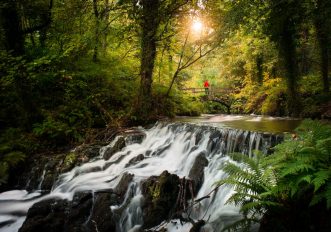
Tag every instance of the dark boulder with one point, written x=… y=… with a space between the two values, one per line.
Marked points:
x=197 y=171
x=160 y=194
x=165 y=196
x=134 y=136
x=197 y=226
x=102 y=218
x=123 y=185
x=46 y=215
x=135 y=160
x=59 y=215
x=110 y=151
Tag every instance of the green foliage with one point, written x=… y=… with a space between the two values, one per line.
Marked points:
x=297 y=173
x=70 y=159
x=14 y=145
x=189 y=106
x=253 y=180
x=305 y=162
x=57 y=101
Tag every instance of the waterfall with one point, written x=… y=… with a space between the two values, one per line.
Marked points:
x=167 y=146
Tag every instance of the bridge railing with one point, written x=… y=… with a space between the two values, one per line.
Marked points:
x=211 y=91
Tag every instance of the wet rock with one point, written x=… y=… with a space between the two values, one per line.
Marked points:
x=47 y=216
x=214 y=142
x=102 y=219
x=197 y=171
x=135 y=160
x=134 y=136
x=78 y=212
x=90 y=151
x=163 y=196
x=215 y=135
x=119 y=145
x=123 y=185
x=119 y=159
x=59 y=215
x=198 y=137
x=197 y=226
x=42 y=170
x=69 y=162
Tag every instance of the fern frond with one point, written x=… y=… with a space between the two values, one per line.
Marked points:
x=258 y=205
x=325 y=147
x=241 y=225
x=328 y=195
x=317 y=198
x=320 y=179
x=295 y=168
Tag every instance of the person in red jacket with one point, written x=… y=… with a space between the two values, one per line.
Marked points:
x=206 y=85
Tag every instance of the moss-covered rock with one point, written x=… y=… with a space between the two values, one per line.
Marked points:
x=164 y=196
x=160 y=194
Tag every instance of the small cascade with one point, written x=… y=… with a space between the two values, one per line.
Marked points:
x=41 y=180
x=131 y=218
x=171 y=147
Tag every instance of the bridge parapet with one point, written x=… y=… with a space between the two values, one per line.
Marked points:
x=211 y=90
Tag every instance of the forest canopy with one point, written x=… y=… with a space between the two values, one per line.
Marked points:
x=69 y=66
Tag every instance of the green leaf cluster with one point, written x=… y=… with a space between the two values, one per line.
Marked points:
x=296 y=175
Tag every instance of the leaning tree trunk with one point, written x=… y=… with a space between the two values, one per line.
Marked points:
x=149 y=24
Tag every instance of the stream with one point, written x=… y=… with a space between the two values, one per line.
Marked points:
x=167 y=146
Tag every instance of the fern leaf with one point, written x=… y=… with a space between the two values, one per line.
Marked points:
x=241 y=225
x=304 y=179
x=307 y=150
x=317 y=198
x=296 y=167
x=320 y=178
x=328 y=195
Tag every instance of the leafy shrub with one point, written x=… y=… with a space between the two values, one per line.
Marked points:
x=14 y=147
x=292 y=185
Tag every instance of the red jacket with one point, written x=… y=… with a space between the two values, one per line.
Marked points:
x=206 y=84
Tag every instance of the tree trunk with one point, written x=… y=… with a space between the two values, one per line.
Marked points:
x=289 y=57
x=149 y=23
x=321 y=27
x=259 y=69
x=324 y=63
x=96 y=32
x=13 y=35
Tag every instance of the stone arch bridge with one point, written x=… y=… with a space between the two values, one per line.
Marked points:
x=219 y=95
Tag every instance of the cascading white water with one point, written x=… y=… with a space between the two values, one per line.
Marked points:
x=172 y=147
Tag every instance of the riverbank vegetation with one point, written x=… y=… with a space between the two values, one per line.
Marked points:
x=290 y=190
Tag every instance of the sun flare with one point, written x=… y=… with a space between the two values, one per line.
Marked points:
x=197 y=26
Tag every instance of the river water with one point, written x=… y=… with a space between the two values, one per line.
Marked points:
x=171 y=146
